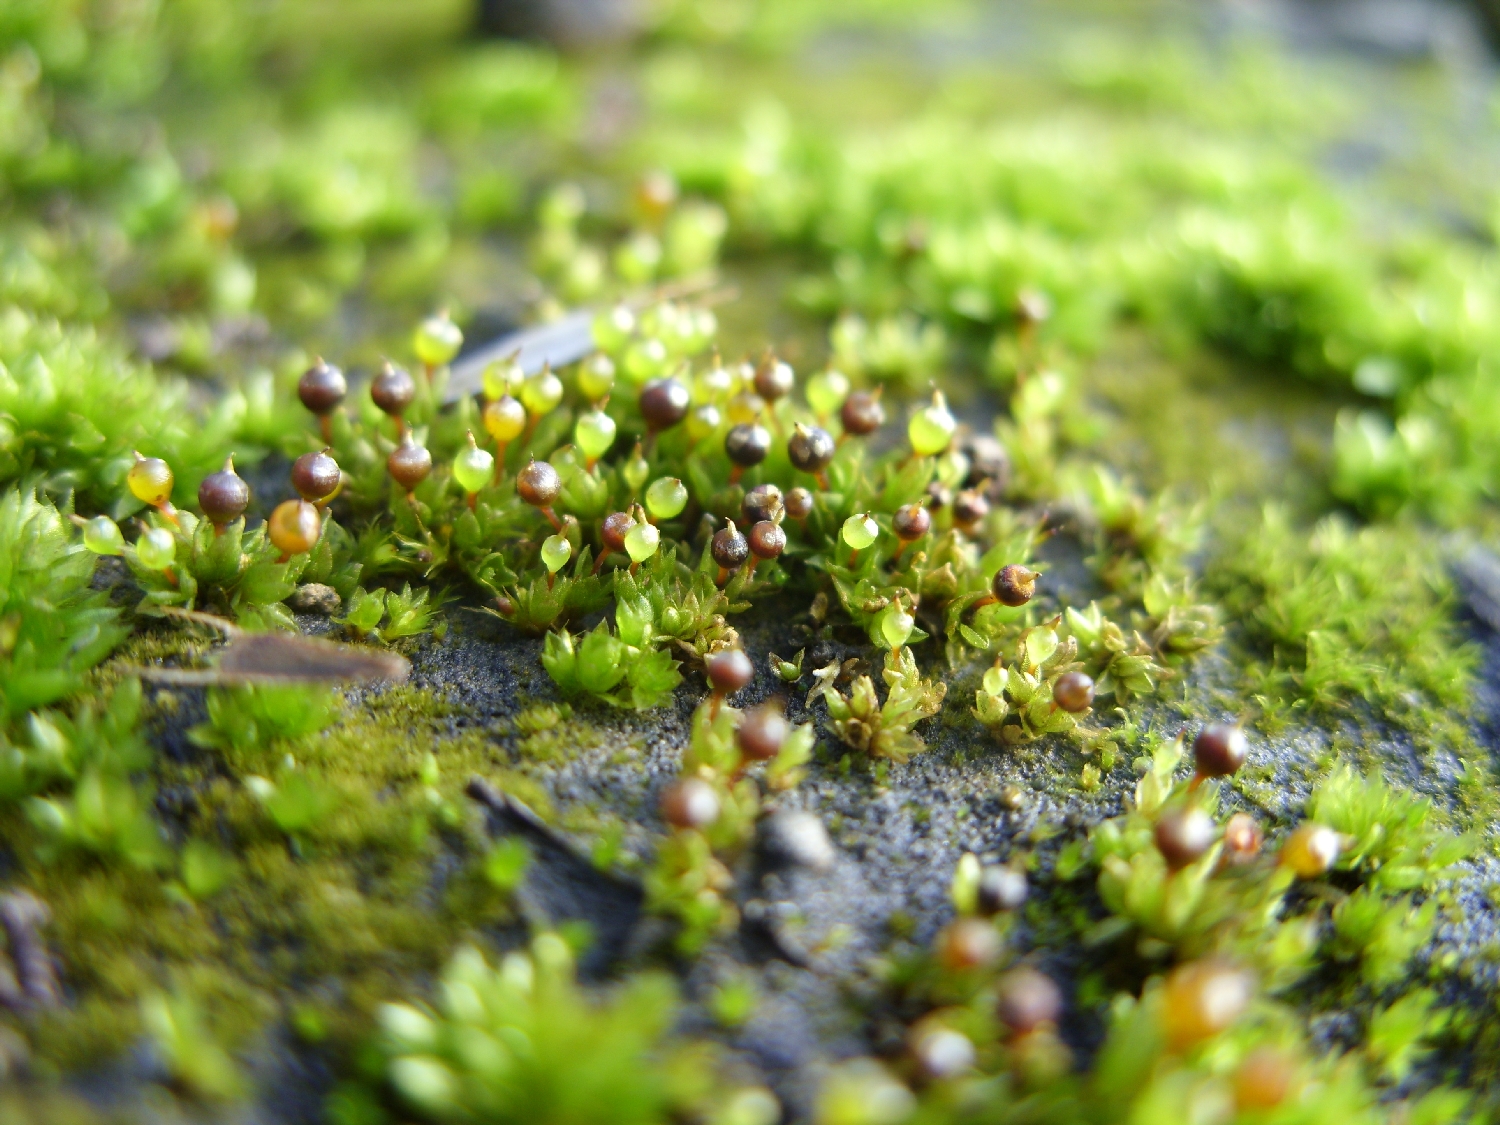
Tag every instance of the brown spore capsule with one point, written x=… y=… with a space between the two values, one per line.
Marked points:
x=1242 y=839
x=1014 y=584
x=690 y=803
x=613 y=530
x=911 y=522
x=393 y=390
x=1073 y=692
x=968 y=943
x=798 y=503
x=321 y=388
x=763 y=502
x=810 y=448
x=1026 y=1000
x=223 y=496
x=762 y=733
x=767 y=540
x=1220 y=750
x=409 y=463
x=862 y=413
x=730 y=549
x=969 y=507
x=315 y=476
x=729 y=669
x=747 y=444
x=1183 y=836
x=774 y=379
x=538 y=484
x=664 y=403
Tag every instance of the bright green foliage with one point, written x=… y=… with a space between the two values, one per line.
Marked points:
x=192 y=1055
x=1342 y=613
x=53 y=626
x=603 y=665
x=247 y=721
x=1015 y=701
x=55 y=749
x=1391 y=839
x=882 y=730
x=521 y=1043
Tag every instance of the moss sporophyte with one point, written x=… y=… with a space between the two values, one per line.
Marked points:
x=213 y=858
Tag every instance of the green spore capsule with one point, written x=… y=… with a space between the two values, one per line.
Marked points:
x=556 y=551
x=931 y=429
x=541 y=393
x=638 y=258
x=150 y=480
x=613 y=328
x=594 y=433
x=101 y=535
x=635 y=471
x=896 y=625
x=504 y=377
x=596 y=376
x=156 y=548
x=715 y=385
x=641 y=542
x=472 y=467
x=860 y=531
x=645 y=360
x=437 y=340
x=826 y=392
x=666 y=498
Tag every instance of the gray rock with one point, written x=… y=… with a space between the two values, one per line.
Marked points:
x=797 y=838
x=317 y=598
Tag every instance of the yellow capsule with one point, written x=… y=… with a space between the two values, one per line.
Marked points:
x=745 y=408
x=1311 y=850
x=505 y=419
x=150 y=480
x=1201 y=999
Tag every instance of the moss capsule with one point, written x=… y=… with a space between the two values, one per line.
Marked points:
x=931 y=429
x=1014 y=584
x=642 y=541
x=968 y=943
x=556 y=551
x=409 y=463
x=690 y=803
x=223 y=496
x=594 y=434
x=322 y=388
x=859 y=531
x=896 y=624
x=150 y=481
x=729 y=669
x=1026 y=1000
x=596 y=376
x=393 y=390
x=798 y=503
x=437 y=340
x=473 y=467
x=762 y=733
x=613 y=530
x=101 y=535
x=1263 y=1079
x=810 y=448
x=767 y=540
x=666 y=498
x=294 y=527
x=316 y=476
x=862 y=413
x=911 y=522
x=1311 y=850
x=613 y=328
x=501 y=378
x=664 y=403
x=646 y=359
x=746 y=409
x=541 y=392
x=826 y=392
x=729 y=547
x=504 y=419
x=969 y=508
x=1220 y=750
x=1073 y=692
x=940 y=1052
x=747 y=444
x=774 y=379
x=1183 y=836
x=156 y=548
x=1242 y=839
x=763 y=502
x=1202 y=999
x=538 y=484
